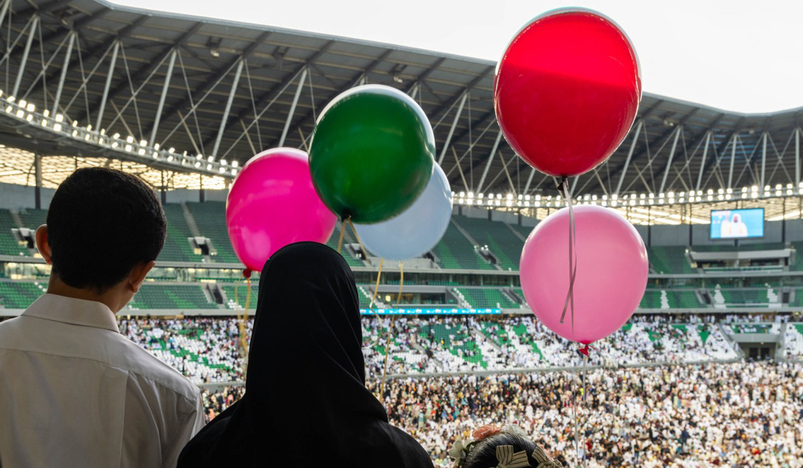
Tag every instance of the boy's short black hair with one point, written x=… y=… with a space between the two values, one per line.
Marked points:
x=101 y=223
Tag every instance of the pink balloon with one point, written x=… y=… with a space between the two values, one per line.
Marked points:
x=272 y=203
x=611 y=276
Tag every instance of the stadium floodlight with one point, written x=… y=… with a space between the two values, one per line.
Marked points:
x=462 y=195
x=479 y=195
x=30 y=108
x=510 y=197
x=498 y=196
x=235 y=164
x=470 y=194
x=721 y=191
x=23 y=103
x=199 y=156
x=211 y=159
x=527 y=197
x=223 y=162
x=729 y=190
x=169 y=158
x=198 y=164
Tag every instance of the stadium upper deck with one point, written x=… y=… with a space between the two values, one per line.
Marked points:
x=217 y=91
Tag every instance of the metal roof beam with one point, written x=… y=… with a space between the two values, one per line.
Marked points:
x=264 y=97
x=446 y=106
x=217 y=75
x=143 y=71
x=97 y=49
x=352 y=83
x=425 y=75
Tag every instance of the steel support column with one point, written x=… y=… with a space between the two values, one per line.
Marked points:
x=797 y=159
x=705 y=155
x=671 y=155
x=228 y=107
x=292 y=112
x=529 y=181
x=733 y=160
x=490 y=160
x=37 y=167
x=63 y=76
x=4 y=10
x=31 y=35
x=629 y=155
x=108 y=84
x=451 y=130
x=763 y=158
x=162 y=97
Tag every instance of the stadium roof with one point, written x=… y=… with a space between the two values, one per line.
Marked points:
x=284 y=78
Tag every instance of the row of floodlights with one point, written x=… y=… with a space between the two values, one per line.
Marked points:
x=27 y=111
x=668 y=198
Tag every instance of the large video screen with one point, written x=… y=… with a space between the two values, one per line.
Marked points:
x=737 y=224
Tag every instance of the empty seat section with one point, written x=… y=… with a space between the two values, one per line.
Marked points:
x=651 y=299
x=8 y=244
x=502 y=242
x=177 y=248
x=669 y=260
x=241 y=295
x=456 y=252
x=32 y=219
x=163 y=296
x=487 y=298
x=18 y=294
x=334 y=239
x=684 y=299
x=210 y=217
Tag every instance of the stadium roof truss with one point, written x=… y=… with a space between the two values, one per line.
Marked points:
x=187 y=101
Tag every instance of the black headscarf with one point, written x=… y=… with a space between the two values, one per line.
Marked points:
x=305 y=404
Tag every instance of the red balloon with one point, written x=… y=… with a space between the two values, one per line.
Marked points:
x=567 y=91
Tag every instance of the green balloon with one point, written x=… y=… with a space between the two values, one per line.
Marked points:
x=372 y=153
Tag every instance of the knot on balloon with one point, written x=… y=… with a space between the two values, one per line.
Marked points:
x=584 y=350
x=247 y=273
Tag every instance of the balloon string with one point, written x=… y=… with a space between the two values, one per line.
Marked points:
x=390 y=330
x=357 y=236
x=340 y=241
x=371 y=304
x=569 y=303
x=241 y=321
x=582 y=456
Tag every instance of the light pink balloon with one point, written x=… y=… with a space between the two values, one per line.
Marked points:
x=272 y=203
x=611 y=276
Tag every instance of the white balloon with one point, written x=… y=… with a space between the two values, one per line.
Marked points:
x=417 y=229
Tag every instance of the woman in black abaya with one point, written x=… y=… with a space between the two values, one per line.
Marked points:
x=305 y=404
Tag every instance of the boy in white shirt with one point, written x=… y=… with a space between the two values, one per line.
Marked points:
x=73 y=390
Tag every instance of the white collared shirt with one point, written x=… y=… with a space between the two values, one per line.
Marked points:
x=74 y=392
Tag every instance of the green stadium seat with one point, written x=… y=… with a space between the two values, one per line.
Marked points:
x=210 y=217
x=502 y=242
x=170 y=296
x=19 y=294
x=487 y=298
x=8 y=244
x=456 y=252
x=669 y=260
x=177 y=248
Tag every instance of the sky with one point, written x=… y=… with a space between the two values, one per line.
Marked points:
x=743 y=56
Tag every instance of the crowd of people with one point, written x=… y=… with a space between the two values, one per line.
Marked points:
x=458 y=344
x=208 y=350
x=691 y=416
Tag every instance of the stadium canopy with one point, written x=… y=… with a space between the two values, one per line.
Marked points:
x=184 y=96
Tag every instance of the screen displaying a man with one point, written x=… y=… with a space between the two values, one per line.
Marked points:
x=734 y=227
